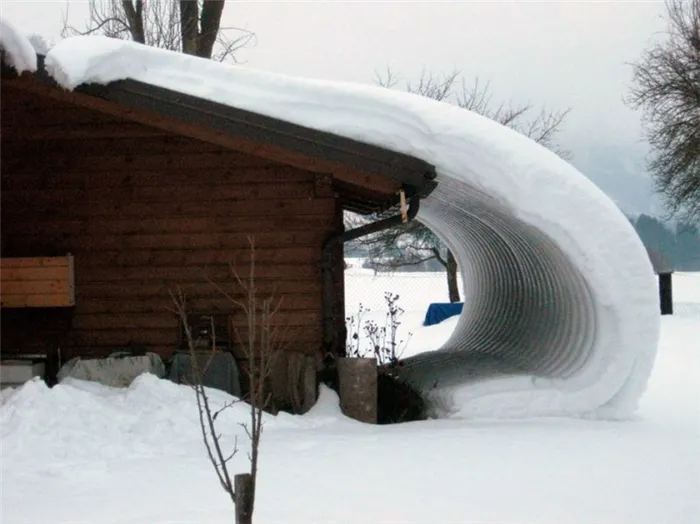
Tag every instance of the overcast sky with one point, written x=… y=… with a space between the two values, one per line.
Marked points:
x=559 y=54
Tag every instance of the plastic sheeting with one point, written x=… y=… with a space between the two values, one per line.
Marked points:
x=219 y=370
x=115 y=371
x=440 y=311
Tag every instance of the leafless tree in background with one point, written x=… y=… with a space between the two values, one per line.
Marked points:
x=666 y=87
x=188 y=26
x=412 y=243
x=541 y=125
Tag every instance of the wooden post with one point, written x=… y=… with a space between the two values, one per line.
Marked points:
x=357 y=379
x=666 y=293
x=245 y=494
x=308 y=382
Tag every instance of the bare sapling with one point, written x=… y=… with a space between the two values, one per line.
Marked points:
x=207 y=416
x=261 y=338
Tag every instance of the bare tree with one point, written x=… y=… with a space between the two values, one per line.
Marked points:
x=666 y=86
x=188 y=26
x=412 y=243
x=262 y=339
x=541 y=125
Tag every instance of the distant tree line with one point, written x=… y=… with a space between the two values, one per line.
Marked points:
x=677 y=244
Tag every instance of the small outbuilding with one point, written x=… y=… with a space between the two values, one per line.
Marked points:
x=113 y=196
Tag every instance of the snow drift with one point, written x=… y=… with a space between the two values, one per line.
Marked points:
x=561 y=313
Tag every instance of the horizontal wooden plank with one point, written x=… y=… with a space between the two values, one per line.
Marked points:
x=33 y=262
x=168 y=193
x=163 y=303
x=36 y=273
x=247 y=170
x=37 y=282
x=165 y=320
x=193 y=286
x=108 y=161
x=96 y=146
x=35 y=287
x=49 y=132
x=81 y=243
x=180 y=257
x=126 y=321
x=120 y=338
x=33 y=115
x=15 y=211
x=165 y=351
x=221 y=273
x=170 y=337
x=35 y=300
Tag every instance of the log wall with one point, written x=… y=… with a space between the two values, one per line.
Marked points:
x=144 y=212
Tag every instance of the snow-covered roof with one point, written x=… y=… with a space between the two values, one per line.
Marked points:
x=367 y=176
x=18 y=50
x=559 y=286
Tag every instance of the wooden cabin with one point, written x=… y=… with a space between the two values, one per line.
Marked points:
x=114 y=196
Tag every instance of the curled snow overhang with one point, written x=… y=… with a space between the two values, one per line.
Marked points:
x=16 y=49
x=561 y=313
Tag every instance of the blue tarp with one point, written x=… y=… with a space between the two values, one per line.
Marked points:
x=439 y=311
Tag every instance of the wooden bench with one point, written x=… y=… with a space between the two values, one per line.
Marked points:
x=37 y=282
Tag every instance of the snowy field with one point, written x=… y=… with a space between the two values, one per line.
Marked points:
x=416 y=292
x=82 y=453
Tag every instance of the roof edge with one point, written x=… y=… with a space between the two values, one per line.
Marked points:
x=416 y=176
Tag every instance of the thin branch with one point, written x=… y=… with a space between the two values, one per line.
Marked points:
x=412 y=243
x=176 y=25
x=666 y=87
x=206 y=417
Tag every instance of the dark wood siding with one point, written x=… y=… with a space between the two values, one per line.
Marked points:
x=143 y=211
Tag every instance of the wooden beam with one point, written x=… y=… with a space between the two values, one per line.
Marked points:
x=340 y=169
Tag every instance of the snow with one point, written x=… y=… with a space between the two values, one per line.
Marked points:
x=511 y=211
x=19 y=52
x=39 y=43
x=82 y=452
x=500 y=197
x=416 y=291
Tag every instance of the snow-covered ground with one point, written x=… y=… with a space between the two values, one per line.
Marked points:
x=82 y=453
x=416 y=292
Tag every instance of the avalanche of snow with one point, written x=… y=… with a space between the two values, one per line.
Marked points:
x=19 y=51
